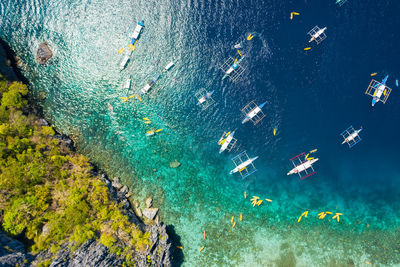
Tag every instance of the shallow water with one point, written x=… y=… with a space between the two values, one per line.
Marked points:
x=312 y=97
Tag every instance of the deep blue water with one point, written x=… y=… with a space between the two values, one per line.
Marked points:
x=312 y=97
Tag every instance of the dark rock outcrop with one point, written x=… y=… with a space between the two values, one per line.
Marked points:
x=44 y=53
x=91 y=253
x=12 y=252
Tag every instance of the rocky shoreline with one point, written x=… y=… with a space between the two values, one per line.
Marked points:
x=92 y=252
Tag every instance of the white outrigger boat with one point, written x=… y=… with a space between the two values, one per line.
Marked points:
x=204 y=99
x=244 y=164
x=232 y=68
x=131 y=46
x=147 y=87
x=227 y=141
x=125 y=60
x=303 y=166
x=253 y=112
x=127 y=86
x=379 y=91
x=317 y=34
x=168 y=67
x=136 y=33
x=351 y=136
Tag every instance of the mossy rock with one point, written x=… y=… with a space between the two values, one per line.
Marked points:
x=174 y=164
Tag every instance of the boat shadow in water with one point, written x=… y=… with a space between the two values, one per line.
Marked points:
x=177 y=256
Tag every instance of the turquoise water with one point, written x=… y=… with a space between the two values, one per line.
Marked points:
x=306 y=104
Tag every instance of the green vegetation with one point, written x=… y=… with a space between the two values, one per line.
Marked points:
x=48 y=193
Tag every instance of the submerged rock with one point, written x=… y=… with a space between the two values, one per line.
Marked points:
x=44 y=53
x=174 y=164
x=150 y=213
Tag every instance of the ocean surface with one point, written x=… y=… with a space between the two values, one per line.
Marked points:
x=312 y=97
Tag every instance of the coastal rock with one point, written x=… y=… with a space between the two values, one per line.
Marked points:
x=45 y=229
x=116 y=183
x=12 y=252
x=138 y=212
x=43 y=122
x=18 y=61
x=125 y=204
x=44 y=53
x=129 y=194
x=91 y=253
x=65 y=141
x=150 y=213
x=149 y=202
x=124 y=190
x=174 y=164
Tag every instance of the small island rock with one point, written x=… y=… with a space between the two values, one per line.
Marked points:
x=43 y=53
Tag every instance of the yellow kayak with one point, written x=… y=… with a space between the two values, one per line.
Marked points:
x=274 y=131
x=314 y=150
x=249 y=37
x=307 y=48
x=373 y=74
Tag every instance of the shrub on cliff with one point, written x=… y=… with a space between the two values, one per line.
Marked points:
x=48 y=193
